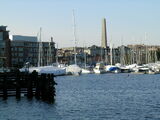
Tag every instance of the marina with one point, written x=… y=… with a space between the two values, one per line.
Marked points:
x=100 y=68
x=80 y=60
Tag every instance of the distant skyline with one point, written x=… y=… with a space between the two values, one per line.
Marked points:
x=127 y=20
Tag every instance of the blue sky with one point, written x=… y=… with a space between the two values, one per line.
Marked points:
x=127 y=20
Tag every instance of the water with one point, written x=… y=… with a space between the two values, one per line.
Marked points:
x=92 y=97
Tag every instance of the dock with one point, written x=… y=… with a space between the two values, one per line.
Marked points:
x=19 y=84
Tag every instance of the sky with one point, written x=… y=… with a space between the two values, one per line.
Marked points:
x=128 y=21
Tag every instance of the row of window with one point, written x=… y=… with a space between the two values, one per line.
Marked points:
x=15 y=60
x=28 y=44
x=17 y=54
x=30 y=49
x=16 y=44
x=24 y=55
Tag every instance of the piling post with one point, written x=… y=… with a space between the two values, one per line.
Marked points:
x=18 y=86
x=29 y=85
x=45 y=88
x=5 y=94
x=51 y=88
x=42 y=84
x=39 y=86
x=50 y=97
x=36 y=80
x=53 y=83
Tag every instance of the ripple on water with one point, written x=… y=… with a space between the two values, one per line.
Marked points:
x=93 y=97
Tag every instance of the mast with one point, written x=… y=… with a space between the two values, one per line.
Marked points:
x=155 y=55
x=85 y=60
x=49 y=54
x=101 y=55
x=145 y=38
x=51 y=46
x=47 y=57
x=40 y=48
x=57 y=55
x=111 y=54
x=74 y=35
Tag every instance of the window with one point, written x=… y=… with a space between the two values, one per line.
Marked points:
x=20 y=55
x=2 y=44
x=14 y=60
x=1 y=35
x=20 y=49
x=20 y=60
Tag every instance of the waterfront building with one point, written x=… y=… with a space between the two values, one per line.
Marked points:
x=131 y=54
x=66 y=55
x=95 y=52
x=124 y=55
x=143 y=54
x=5 y=53
x=26 y=49
x=92 y=54
x=115 y=57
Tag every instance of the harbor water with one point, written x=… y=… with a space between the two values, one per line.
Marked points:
x=92 y=97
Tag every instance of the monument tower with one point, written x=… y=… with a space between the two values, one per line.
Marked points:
x=104 y=34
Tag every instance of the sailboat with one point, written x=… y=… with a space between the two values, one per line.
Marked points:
x=100 y=66
x=86 y=69
x=74 y=69
x=111 y=68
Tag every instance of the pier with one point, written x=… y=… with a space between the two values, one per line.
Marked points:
x=19 y=84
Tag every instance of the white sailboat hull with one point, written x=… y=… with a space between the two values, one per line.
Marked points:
x=73 y=70
x=85 y=71
x=47 y=70
x=98 y=71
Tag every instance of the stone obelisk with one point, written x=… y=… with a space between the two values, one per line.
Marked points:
x=104 y=34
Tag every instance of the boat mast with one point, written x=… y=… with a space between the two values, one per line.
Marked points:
x=40 y=49
x=57 y=55
x=111 y=55
x=50 y=53
x=85 y=59
x=74 y=34
x=145 y=38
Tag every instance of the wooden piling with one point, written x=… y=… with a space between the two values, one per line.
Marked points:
x=42 y=86
x=5 y=94
x=37 y=84
x=18 y=87
x=29 y=85
x=50 y=86
x=53 y=83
